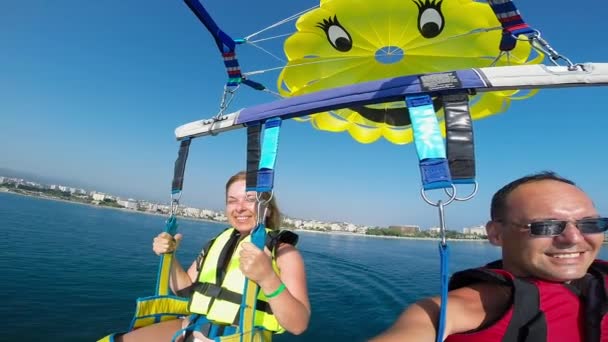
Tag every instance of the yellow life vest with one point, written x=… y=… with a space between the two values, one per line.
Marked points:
x=218 y=291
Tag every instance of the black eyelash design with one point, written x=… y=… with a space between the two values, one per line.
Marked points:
x=329 y=22
x=336 y=34
x=428 y=4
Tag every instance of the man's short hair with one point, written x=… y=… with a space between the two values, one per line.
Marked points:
x=499 y=200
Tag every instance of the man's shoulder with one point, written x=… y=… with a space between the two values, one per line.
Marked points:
x=491 y=273
x=478 y=305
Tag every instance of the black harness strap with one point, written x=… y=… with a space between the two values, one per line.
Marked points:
x=226 y=255
x=253 y=156
x=593 y=292
x=275 y=237
x=218 y=292
x=180 y=166
x=460 y=147
x=528 y=323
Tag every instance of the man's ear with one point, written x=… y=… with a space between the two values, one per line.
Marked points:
x=494 y=231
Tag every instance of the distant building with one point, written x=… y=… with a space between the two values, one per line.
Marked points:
x=129 y=204
x=206 y=213
x=97 y=196
x=361 y=230
x=34 y=185
x=192 y=212
x=349 y=227
x=435 y=230
x=220 y=217
x=477 y=230
x=335 y=227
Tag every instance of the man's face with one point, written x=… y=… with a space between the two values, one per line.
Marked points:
x=555 y=258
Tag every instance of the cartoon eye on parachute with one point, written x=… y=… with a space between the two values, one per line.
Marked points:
x=335 y=45
x=405 y=70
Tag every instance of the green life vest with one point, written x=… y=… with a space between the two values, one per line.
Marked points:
x=218 y=291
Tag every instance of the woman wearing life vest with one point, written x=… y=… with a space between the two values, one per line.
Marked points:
x=214 y=281
x=548 y=286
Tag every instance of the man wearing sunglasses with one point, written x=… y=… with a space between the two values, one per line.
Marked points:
x=547 y=286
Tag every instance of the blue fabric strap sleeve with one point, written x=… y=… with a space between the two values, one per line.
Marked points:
x=270 y=145
x=433 y=164
x=427 y=136
x=435 y=174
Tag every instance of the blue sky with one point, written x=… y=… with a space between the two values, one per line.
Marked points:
x=92 y=91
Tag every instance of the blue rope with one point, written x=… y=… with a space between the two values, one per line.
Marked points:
x=258 y=238
x=444 y=253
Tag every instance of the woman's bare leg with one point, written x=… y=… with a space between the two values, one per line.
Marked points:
x=159 y=332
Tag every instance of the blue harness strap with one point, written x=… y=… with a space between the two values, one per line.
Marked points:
x=162 y=306
x=270 y=145
x=225 y=44
x=444 y=255
x=434 y=169
x=261 y=180
x=261 y=159
x=512 y=23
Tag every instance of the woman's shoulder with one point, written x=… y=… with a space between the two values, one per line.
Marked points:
x=287 y=253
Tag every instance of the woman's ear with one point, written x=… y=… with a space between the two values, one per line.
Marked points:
x=494 y=231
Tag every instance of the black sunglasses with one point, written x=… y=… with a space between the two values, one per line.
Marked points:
x=556 y=227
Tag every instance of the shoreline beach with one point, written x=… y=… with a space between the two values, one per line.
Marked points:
x=220 y=222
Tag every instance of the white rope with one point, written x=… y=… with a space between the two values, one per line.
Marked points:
x=269 y=53
x=281 y=22
x=269 y=38
x=327 y=60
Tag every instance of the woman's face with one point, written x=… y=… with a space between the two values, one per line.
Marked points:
x=241 y=207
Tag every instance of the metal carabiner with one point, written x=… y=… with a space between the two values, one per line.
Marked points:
x=227 y=97
x=262 y=206
x=452 y=197
x=540 y=43
x=462 y=199
x=442 y=228
x=175 y=203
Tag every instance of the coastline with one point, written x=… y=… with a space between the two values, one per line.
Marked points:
x=387 y=237
x=106 y=207
x=220 y=222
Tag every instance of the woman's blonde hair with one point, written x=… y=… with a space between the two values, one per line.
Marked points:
x=273 y=218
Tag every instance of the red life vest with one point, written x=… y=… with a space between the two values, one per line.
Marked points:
x=542 y=310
